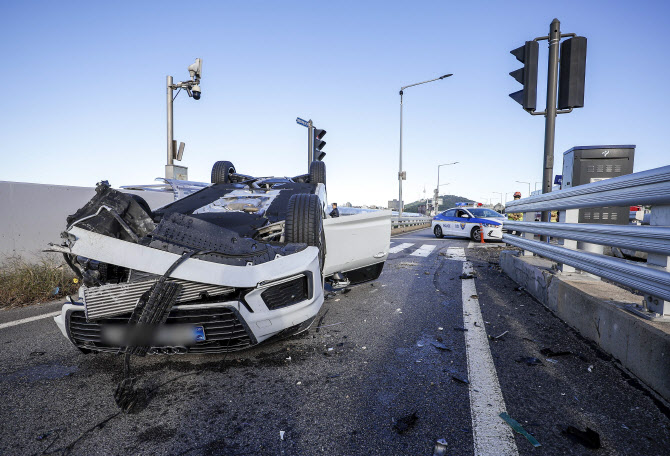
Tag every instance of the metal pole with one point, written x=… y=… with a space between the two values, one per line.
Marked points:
x=170 y=131
x=437 y=194
x=400 y=205
x=550 y=125
x=310 y=143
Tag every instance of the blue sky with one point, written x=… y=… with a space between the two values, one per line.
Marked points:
x=84 y=90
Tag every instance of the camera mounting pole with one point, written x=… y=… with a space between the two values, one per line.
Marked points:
x=192 y=87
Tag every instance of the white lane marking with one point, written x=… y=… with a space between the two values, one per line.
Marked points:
x=27 y=320
x=400 y=247
x=491 y=435
x=424 y=250
x=456 y=253
x=471 y=245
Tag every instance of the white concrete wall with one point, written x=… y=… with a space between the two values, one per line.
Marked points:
x=32 y=215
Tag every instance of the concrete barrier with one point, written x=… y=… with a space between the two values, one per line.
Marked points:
x=32 y=215
x=596 y=310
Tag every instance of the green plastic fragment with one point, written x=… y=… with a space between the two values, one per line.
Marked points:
x=517 y=427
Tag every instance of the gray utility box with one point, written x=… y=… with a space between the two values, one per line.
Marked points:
x=586 y=164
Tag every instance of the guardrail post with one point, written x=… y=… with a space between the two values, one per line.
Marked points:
x=660 y=215
x=568 y=216
x=528 y=217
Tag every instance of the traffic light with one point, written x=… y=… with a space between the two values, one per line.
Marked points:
x=319 y=143
x=572 y=73
x=528 y=55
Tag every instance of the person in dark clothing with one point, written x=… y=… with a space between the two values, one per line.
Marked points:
x=334 y=212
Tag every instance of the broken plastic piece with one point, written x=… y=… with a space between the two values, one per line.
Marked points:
x=588 y=438
x=460 y=380
x=281 y=435
x=467 y=276
x=529 y=360
x=404 y=423
x=458 y=328
x=440 y=346
x=440 y=448
x=517 y=427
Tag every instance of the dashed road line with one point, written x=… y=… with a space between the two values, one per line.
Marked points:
x=400 y=247
x=490 y=434
x=9 y=324
x=424 y=250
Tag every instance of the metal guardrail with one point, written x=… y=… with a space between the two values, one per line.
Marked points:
x=654 y=239
x=650 y=187
x=635 y=275
x=643 y=188
x=402 y=222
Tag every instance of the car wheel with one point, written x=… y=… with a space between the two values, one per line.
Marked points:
x=438 y=231
x=304 y=223
x=221 y=172
x=474 y=235
x=317 y=172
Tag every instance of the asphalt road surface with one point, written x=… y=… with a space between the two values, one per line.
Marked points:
x=388 y=368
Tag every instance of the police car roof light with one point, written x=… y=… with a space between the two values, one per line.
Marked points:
x=461 y=204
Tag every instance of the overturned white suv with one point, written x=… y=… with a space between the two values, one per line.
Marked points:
x=236 y=263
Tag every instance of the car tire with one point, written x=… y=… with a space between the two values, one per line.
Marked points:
x=438 y=232
x=221 y=172
x=317 y=172
x=474 y=234
x=304 y=223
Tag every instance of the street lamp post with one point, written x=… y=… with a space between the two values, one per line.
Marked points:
x=400 y=172
x=522 y=182
x=437 y=189
x=501 y=201
x=536 y=185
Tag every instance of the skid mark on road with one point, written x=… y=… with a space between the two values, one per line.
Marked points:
x=491 y=435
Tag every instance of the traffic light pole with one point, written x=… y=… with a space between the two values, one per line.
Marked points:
x=310 y=143
x=550 y=116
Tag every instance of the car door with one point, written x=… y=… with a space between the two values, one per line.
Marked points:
x=462 y=223
x=356 y=241
x=448 y=221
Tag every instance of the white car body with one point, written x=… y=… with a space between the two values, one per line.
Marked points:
x=236 y=311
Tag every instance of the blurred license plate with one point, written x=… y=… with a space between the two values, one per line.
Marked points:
x=199 y=333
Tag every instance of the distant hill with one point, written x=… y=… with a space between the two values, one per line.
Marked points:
x=448 y=201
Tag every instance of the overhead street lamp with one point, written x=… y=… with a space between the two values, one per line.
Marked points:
x=522 y=182
x=536 y=185
x=401 y=174
x=437 y=189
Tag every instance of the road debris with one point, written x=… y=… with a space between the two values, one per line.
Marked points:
x=518 y=428
x=470 y=275
x=281 y=435
x=458 y=379
x=404 y=423
x=498 y=336
x=474 y=296
x=440 y=448
x=458 y=328
x=328 y=326
x=588 y=438
x=346 y=290
x=553 y=361
x=529 y=360
x=548 y=352
x=590 y=368
x=440 y=346
x=440 y=328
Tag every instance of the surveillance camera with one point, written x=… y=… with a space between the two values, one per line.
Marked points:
x=196 y=92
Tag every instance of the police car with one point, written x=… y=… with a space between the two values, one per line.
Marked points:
x=466 y=221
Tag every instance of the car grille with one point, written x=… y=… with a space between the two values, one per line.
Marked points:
x=224 y=331
x=286 y=293
x=118 y=299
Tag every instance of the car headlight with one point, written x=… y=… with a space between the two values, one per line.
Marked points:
x=490 y=225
